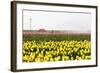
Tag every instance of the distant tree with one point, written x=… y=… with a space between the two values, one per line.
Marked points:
x=52 y=31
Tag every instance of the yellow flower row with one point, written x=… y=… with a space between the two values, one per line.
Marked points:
x=44 y=51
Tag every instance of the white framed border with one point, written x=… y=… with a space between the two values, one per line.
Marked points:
x=20 y=65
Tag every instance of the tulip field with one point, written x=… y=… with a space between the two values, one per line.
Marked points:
x=50 y=48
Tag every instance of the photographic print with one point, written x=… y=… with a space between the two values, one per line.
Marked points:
x=56 y=36
x=53 y=36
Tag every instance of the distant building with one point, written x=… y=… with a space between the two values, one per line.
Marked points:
x=42 y=30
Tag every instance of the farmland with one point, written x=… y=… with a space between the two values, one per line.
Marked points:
x=43 y=47
x=55 y=36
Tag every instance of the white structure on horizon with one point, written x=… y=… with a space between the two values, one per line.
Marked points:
x=30 y=23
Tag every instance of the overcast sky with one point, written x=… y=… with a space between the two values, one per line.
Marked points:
x=56 y=21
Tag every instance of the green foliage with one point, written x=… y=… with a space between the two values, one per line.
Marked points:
x=77 y=37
